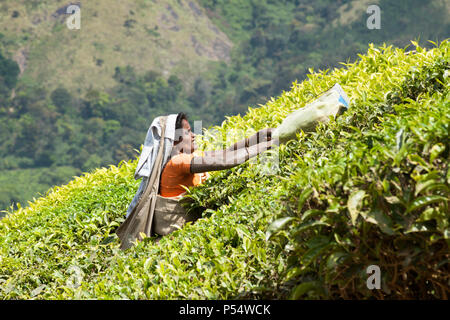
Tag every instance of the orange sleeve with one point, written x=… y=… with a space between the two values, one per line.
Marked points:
x=182 y=163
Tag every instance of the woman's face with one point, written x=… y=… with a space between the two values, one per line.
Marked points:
x=187 y=143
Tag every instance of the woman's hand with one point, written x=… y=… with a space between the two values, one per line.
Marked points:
x=265 y=134
x=260 y=136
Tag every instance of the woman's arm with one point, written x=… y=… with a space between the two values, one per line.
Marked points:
x=225 y=159
x=260 y=136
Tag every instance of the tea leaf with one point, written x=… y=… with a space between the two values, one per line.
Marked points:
x=354 y=204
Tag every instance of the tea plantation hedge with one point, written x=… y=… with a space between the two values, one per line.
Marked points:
x=369 y=188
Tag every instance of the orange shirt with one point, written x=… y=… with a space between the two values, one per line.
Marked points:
x=176 y=173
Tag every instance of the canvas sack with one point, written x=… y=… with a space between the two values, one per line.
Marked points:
x=170 y=215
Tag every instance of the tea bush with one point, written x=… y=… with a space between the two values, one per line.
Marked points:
x=369 y=188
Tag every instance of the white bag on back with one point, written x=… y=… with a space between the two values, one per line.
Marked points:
x=332 y=103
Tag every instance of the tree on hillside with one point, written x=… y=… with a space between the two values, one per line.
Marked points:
x=9 y=71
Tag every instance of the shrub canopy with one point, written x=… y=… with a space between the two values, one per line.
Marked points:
x=368 y=188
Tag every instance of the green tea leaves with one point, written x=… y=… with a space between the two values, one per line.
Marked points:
x=425 y=201
x=370 y=187
x=277 y=225
x=354 y=204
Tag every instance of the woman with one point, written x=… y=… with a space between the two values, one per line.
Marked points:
x=186 y=168
x=148 y=214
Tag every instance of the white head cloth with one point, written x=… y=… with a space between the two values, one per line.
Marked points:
x=147 y=158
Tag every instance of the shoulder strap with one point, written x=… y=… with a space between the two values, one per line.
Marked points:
x=155 y=185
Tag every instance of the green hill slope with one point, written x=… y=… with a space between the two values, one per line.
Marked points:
x=370 y=188
x=129 y=61
x=81 y=98
x=173 y=37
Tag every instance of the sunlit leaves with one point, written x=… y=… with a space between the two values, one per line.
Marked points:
x=371 y=187
x=354 y=204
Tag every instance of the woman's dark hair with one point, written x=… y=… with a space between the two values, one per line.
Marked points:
x=179 y=125
x=180 y=118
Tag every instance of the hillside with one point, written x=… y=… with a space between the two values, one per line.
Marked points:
x=172 y=37
x=371 y=187
x=69 y=99
x=84 y=98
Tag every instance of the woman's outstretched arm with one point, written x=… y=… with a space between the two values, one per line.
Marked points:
x=225 y=159
x=260 y=136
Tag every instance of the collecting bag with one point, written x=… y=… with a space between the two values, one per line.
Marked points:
x=331 y=103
